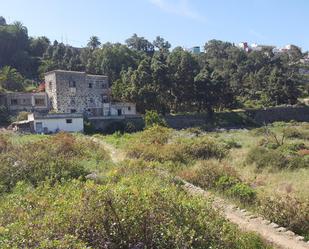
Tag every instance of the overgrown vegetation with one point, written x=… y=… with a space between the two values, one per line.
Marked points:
x=46 y=201
x=265 y=170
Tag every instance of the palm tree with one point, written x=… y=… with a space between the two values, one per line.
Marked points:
x=94 y=42
x=10 y=79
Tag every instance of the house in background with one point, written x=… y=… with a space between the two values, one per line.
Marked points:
x=78 y=92
x=50 y=123
x=17 y=101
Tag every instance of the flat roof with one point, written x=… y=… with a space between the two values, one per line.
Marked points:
x=57 y=115
x=73 y=72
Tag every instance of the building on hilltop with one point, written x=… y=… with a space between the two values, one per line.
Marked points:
x=78 y=92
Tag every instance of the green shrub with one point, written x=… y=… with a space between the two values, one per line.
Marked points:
x=206 y=174
x=89 y=128
x=284 y=157
x=56 y=158
x=138 y=210
x=231 y=143
x=263 y=157
x=153 y=118
x=288 y=211
x=293 y=132
x=4 y=115
x=242 y=192
x=22 y=116
x=226 y=182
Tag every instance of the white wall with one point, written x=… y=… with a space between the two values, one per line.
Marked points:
x=59 y=124
x=124 y=109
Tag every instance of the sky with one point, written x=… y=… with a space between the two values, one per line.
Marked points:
x=185 y=23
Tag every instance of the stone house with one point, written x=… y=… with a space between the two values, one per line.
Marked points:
x=71 y=92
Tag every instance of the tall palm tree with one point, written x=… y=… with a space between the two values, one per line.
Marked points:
x=94 y=42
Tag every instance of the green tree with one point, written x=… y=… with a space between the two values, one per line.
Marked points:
x=94 y=42
x=11 y=79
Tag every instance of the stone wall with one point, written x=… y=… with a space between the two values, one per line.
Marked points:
x=223 y=120
x=76 y=91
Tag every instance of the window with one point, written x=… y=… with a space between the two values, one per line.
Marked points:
x=72 y=101
x=104 y=86
x=91 y=100
x=104 y=99
x=39 y=102
x=50 y=85
x=90 y=85
x=129 y=108
x=73 y=110
x=68 y=121
x=14 y=102
x=72 y=83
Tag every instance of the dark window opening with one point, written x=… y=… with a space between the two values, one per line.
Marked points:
x=39 y=102
x=68 y=121
x=72 y=83
x=14 y=102
x=73 y=110
x=90 y=85
x=104 y=99
x=72 y=101
x=50 y=85
x=129 y=108
x=119 y=112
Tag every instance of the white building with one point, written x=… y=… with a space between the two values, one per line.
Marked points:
x=56 y=122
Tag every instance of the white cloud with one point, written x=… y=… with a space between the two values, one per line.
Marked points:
x=178 y=7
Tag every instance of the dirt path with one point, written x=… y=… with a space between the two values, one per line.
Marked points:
x=116 y=155
x=278 y=237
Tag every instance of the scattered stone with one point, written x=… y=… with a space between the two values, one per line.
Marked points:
x=300 y=238
x=281 y=229
x=253 y=216
x=266 y=222
x=290 y=233
x=243 y=210
x=274 y=225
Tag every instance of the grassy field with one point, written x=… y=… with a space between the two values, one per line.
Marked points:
x=64 y=191
x=264 y=169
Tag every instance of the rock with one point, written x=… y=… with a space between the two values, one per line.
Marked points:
x=92 y=176
x=300 y=238
x=274 y=225
x=290 y=233
x=281 y=229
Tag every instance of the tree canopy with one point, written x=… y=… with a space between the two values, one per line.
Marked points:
x=156 y=77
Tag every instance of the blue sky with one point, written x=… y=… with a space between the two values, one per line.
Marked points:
x=182 y=22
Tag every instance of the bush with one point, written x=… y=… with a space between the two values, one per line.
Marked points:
x=288 y=211
x=284 y=157
x=153 y=118
x=293 y=132
x=22 y=116
x=56 y=158
x=263 y=157
x=226 y=182
x=206 y=174
x=136 y=212
x=242 y=192
x=4 y=115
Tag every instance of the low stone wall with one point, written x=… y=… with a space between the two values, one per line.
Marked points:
x=235 y=120
x=117 y=123
x=270 y=115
